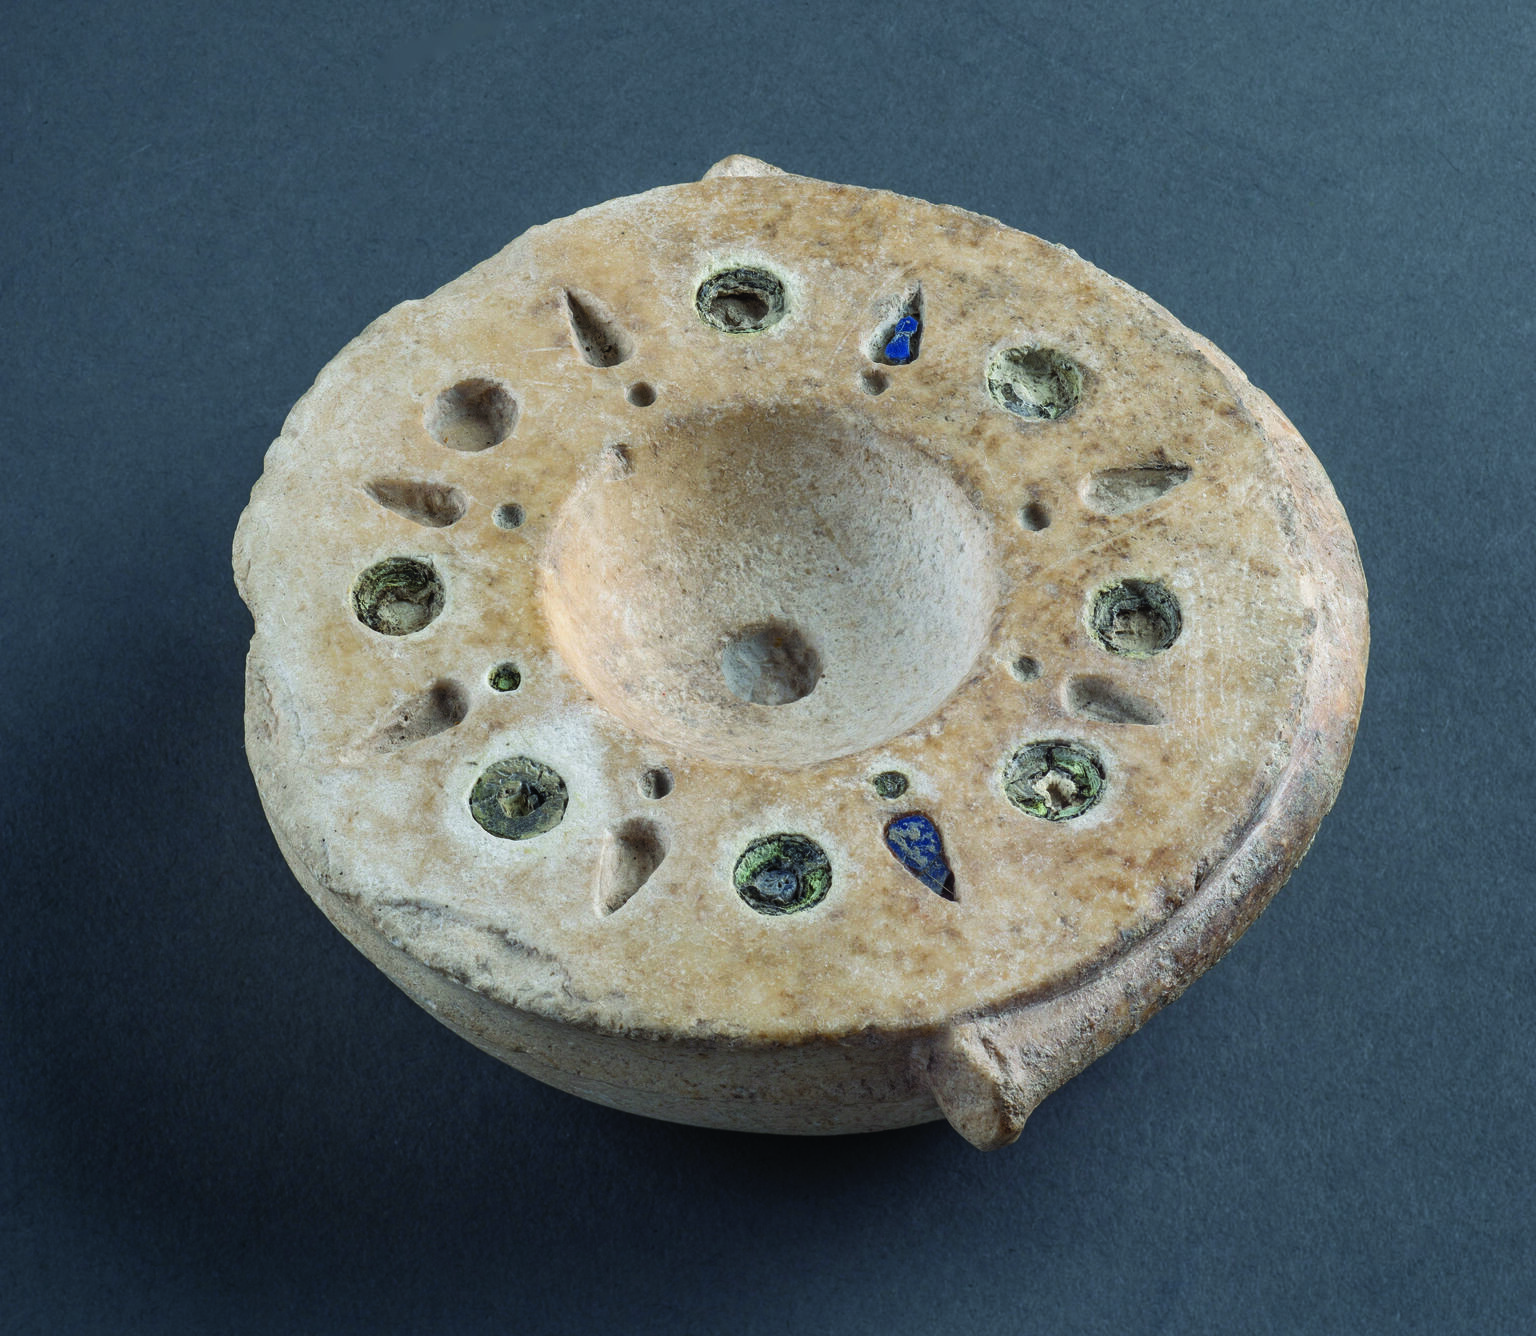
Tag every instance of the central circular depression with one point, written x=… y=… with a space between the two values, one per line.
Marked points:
x=777 y=586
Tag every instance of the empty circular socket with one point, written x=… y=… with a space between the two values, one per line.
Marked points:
x=741 y=301
x=1035 y=383
x=472 y=415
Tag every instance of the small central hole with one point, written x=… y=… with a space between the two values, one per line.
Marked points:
x=772 y=664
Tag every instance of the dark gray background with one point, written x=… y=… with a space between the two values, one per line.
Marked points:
x=217 y=1115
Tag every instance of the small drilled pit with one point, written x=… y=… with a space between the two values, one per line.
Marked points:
x=1034 y=516
x=505 y=677
x=873 y=726
x=656 y=783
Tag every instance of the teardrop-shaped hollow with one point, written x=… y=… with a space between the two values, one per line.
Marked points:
x=631 y=852
x=597 y=336
x=434 y=505
x=1115 y=491
x=440 y=707
x=1108 y=702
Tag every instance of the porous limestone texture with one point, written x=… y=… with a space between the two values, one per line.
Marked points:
x=785 y=656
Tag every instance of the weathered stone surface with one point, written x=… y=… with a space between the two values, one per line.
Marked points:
x=605 y=599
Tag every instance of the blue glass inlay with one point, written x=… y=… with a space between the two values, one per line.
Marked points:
x=898 y=349
x=915 y=841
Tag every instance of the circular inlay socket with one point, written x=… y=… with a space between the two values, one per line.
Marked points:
x=641 y=394
x=890 y=783
x=874 y=382
x=1036 y=383
x=771 y=664
x=741 y=301
x=518 y=798
x=1054 y=780
x=397 y=596
x=1135 y=618
x=473 y=415
x=783 y=874
x=1024 y=668
x=509 y=516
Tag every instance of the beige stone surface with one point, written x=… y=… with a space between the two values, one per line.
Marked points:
x=754 y=570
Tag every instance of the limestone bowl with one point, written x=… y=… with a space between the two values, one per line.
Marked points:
x=784 y=656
